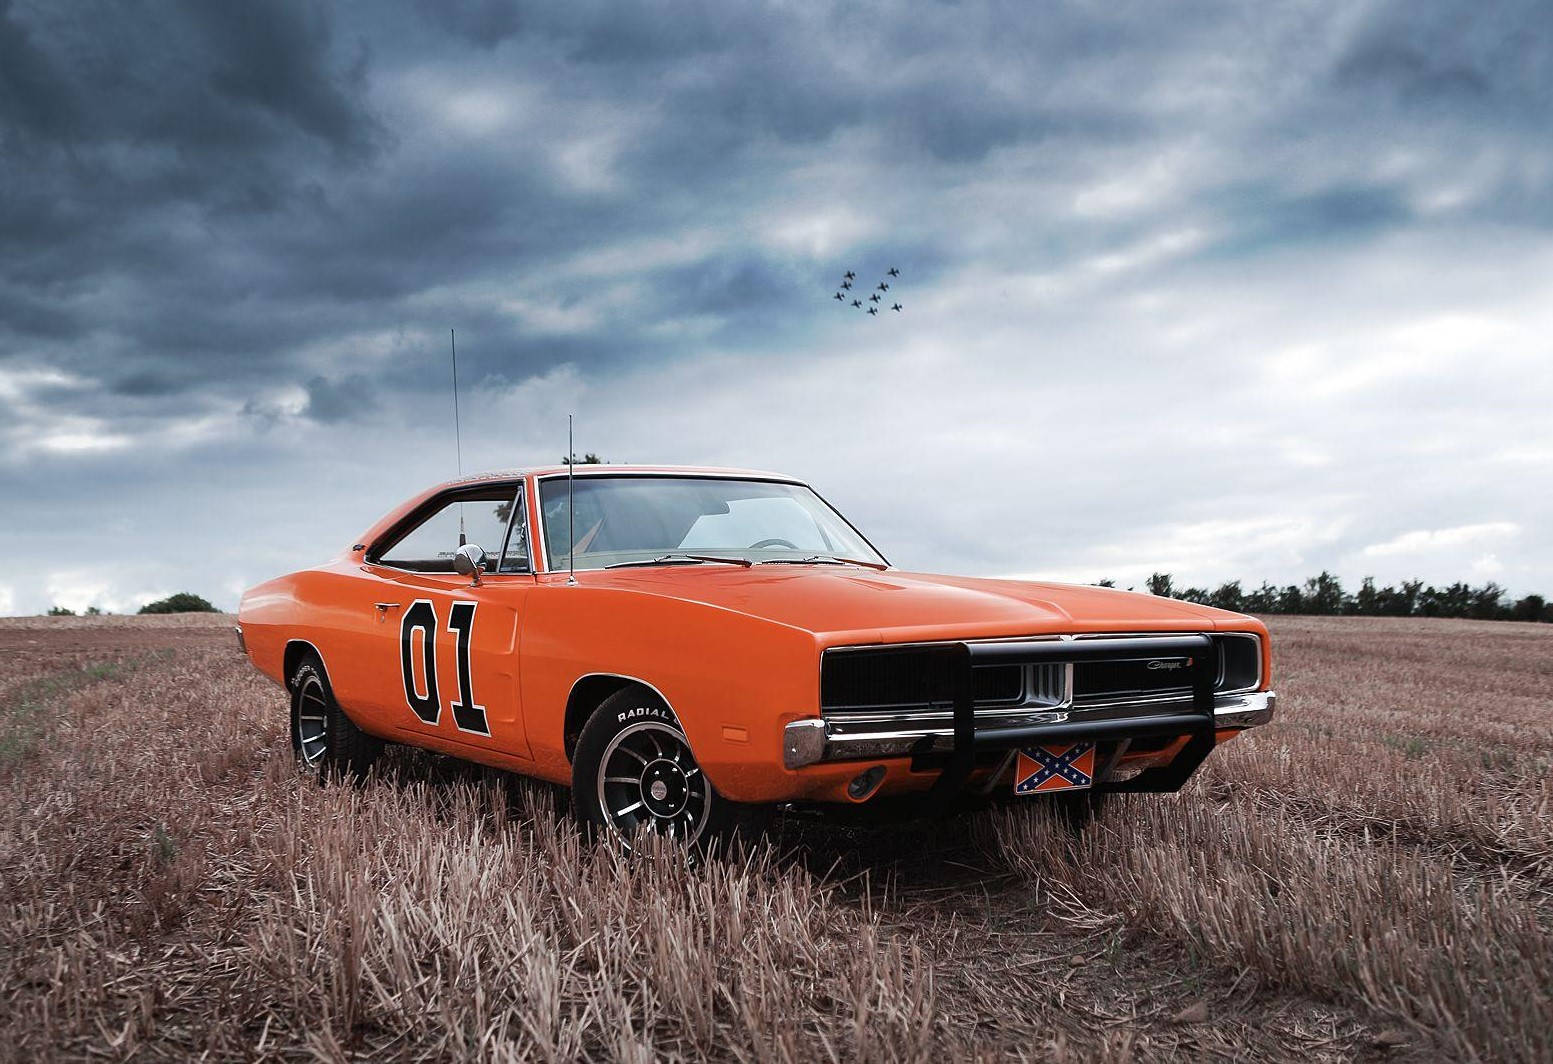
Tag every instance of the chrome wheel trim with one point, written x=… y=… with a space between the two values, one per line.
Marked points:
x=649 y=780
x=312 y=723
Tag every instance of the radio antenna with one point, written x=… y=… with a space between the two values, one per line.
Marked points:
x=458 y=434
x=571 y=514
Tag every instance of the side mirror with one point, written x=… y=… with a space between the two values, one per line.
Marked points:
x=469 y=560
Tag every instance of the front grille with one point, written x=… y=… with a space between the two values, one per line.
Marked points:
x=1106 y=681
x=854 y=681
x=889 y=680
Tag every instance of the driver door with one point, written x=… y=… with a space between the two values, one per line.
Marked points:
x=445 y=644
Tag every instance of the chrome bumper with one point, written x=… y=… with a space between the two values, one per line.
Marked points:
x=813 y=740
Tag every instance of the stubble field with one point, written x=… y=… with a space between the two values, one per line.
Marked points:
x=1370 y=877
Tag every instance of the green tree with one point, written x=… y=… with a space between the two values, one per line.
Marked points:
x=1228 y=597
x=182 y=602
x=1323 y=594
x=1160 y=584
x=1531 y=608
x=1263 y=600
x=1367 y=601
x=60 y=611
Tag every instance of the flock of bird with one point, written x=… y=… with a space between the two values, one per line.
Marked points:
x=874 y=298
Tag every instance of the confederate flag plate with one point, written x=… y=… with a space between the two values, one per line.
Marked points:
x=1055 y=767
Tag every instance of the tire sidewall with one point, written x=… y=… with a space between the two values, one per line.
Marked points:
x=348 y=751
x=310 y=668
x=614 y=715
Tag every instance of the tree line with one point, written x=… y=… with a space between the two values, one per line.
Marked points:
x=1325 y=595
x=182 y=602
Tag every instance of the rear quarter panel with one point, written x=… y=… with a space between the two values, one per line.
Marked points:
x=327 y=608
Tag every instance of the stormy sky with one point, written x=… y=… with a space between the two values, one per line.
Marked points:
x=1234 y=291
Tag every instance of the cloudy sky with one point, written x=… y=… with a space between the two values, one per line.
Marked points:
x=1228 y=290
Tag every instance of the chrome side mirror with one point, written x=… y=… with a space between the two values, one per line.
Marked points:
x=469 y=560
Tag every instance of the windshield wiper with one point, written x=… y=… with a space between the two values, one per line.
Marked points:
x=677 y=558
x=824 y=559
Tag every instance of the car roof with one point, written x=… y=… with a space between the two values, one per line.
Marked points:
x=594 y=470
x=394 y=516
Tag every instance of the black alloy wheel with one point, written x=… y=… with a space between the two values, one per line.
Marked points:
x=324 y=739
x=634 y=774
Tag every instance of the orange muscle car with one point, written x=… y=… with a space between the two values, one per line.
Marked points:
x=674 y=642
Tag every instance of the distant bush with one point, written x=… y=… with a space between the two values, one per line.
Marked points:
x=1324 y=595
x=60 y=611
x=182 y=602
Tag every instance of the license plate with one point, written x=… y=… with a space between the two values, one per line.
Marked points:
x=1054 y=767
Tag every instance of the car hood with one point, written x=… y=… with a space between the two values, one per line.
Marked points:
x=861 y=605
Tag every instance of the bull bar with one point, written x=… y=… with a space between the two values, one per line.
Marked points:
x=1197 y=718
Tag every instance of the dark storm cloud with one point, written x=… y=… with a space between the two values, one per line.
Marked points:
x=485 y=23
x=234 y=193
x=275 y=60
x=330 y=401
x=1496 y=60
x=33 y=94
x=207 y=79
x=1416 y=75
x=235 y=236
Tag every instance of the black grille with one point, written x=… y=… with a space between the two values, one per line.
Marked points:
x=909 y=678
x=1102 y=680
x=923 y=677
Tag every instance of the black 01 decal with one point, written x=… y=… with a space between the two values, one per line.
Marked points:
x=466 y=715
x=421 y=617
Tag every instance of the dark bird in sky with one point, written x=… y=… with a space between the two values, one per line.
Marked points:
x=873 y=310
x=874 y=298
x=857 y=302
x=846 y=284
x=896 y=307
x=841 y=297
x=883 y=287
x=894 y=272
x=849 y=275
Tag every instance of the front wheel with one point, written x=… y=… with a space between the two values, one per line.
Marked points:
x=633 y=775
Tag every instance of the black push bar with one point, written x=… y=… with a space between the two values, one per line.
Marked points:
x=1202 y=667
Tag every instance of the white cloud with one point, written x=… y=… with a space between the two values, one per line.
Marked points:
x=78 y=436
x=1486 y=566
x=77 y=590
x=18 y=383
x=1423 y=541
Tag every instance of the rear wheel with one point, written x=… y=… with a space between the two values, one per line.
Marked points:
x=324 y=739
x=633 y=774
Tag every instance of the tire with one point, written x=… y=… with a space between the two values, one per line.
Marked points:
x=633 y=772
x=324 y=739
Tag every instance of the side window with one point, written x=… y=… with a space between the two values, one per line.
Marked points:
x=479 y=518
x=515 y=559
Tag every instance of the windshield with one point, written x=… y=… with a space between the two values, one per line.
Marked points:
x=642 y=519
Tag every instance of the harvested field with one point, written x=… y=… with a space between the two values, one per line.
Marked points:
x=1371 y=877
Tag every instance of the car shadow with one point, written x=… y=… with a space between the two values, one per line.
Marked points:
x=904 y=858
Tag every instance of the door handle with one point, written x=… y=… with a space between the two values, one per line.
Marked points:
x=384 y=607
